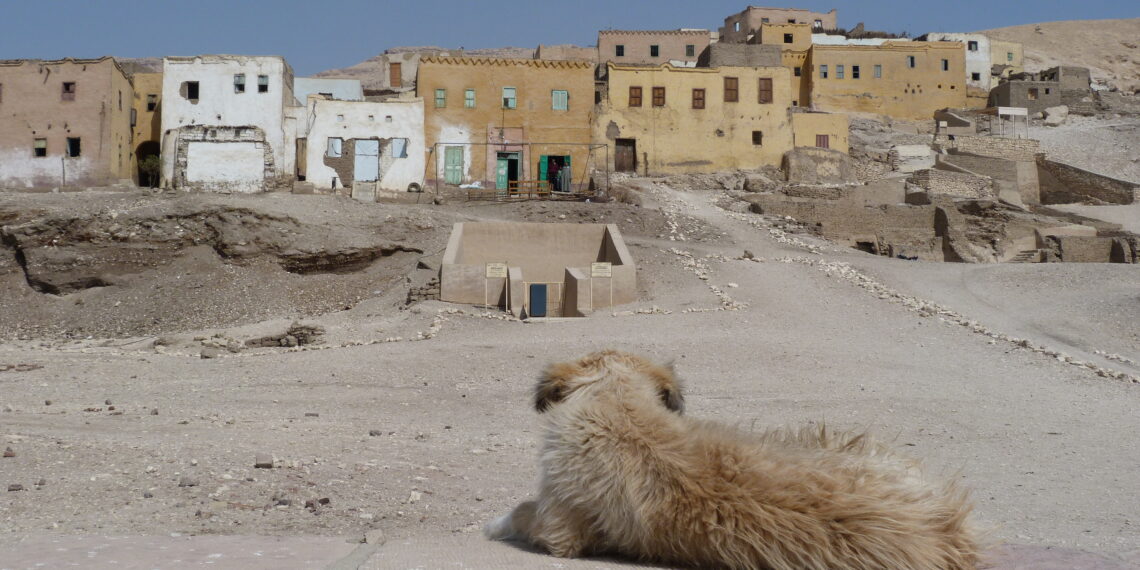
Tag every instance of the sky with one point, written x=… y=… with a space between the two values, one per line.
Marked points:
x=317 y=35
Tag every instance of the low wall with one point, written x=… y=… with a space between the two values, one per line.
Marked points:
x=956 y=184
x=995 y=147
x=1087 y=249
x=1069 y=184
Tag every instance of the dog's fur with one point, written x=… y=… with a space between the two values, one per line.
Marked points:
x=623 y=472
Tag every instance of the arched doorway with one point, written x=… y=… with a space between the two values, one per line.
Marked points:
x=149 y=171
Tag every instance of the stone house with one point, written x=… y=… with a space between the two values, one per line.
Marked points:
x=742 y=26
x=665 y=119
x=978 y=56
x=65 y=123
x=794 y=42
x=502 y=122
x=681 y=48
x=909 y=80
x=228 y=123
x=1063 y=85
x=367 y=146
x=1006 y=58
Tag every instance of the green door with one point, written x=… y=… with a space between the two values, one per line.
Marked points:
x=543 y=167
x=453 y=165
x=501 y=169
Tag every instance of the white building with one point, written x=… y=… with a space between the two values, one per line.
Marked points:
x=367 y=146
x=977 y=56
x=227 y=123
x=342 y=89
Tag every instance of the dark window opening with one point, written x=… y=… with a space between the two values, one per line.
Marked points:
x=134 y=117
x=658 y=96
x=1048 y=90
x=190 y=90
x=635 y=96
x=239 y=83
x=945 y=65
x=1032 y=94
x=68 y=93
x=151 y=102
x=972 y=46
x=40 y=148
x=910 y=61
x=619 y=50
x=788 y=38
x=690 y=50
x=1 y=92
x=263 y=84
x=798 y=71
x=731 y=90
x=975 y=76
x=698 y=98
x=72 y=146
x=758 y=138
x=854 y=72
x=654 y=51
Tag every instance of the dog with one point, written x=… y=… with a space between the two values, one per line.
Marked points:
x=624 y=473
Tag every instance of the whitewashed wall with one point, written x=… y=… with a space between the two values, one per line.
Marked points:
x=398 y=118
x=976 y=61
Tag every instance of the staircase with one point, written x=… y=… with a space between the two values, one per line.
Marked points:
x=1027 y=256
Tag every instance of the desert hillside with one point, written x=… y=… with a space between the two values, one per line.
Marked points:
x=1109 y=48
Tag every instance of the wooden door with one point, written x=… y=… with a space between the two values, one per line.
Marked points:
x=822 y=141
x=394 y=78
x=453 y=165
x=625 y=155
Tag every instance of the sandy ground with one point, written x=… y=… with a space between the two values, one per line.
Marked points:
x=988 y=373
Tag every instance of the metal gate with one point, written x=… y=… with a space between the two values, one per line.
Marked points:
x=366 y=167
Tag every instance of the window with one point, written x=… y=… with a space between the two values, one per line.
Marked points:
x=788 y=38
x=440 y=98
x=822 y=141
x=839 y=72
x=658 y=96
x=972 y=46
x=151 y=102
x=400 y=148
x=619 y=50
x=340 y=118
x=654 y=50
x=189 y=91
x=1032 y=94
x=469 y=98
x=263 y=84
x=736 y=27
x=635 y=96
x=73 y=146
x=559 y=100
x=510 y=99
x=134 y=117
x=817 y=24
x=239 y=83
x=120 y=100
x=791 y=20
x=764 y=20
x=395 y=74
x=40 y=147
x=854 y=72
x=798 y=71
x=823 y=72
x=1009 y=56
x=765 y=90
x=878 y=71
x=690 y=50
x=758 y=138
x=910 y=61
x=731 y=90
x=945 y=65
x=1048 y=90
x=975 y=77
x=68 y=91
x=698 y=98
x=334 y=147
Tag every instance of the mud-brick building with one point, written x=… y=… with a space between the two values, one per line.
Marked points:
x=681 y=48
x=147 y=121
x=744 y=25
x=228 y=123
x=504 y=121
x=664 y=119
x=64 y=123
x=908 y=80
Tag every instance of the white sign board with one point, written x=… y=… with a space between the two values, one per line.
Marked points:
x=496 y=270
x=601 y=269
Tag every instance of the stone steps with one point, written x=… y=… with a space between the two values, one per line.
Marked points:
x=1027 y=256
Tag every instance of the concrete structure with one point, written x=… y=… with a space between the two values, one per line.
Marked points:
x=363 y=145
x=681 y=48
x=820 y=130
x=339 y=89
x=581 y=267
x=64 y=123
x=225 y=123
x=147 y=119
x=909 y=80
x=665 y=119
x=740 y=27
x=978 y=57
x=1055 y=86
x=498 y=121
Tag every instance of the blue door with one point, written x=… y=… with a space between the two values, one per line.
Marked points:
x=367 y=164
x=537 y=300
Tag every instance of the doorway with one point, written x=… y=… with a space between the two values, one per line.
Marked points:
x=366 y=167
x=149 y=165
x=556 y=170
x=453 y=164
x=625 y=155
x=506 y=169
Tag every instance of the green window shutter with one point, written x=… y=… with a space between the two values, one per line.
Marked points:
x=543 y=164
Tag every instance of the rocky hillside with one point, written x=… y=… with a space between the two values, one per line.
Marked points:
x=1109 y=48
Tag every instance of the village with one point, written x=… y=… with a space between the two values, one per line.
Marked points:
x=258 y=320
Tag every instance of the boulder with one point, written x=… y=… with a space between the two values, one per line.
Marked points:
x=1055 y=116
x=809 y=165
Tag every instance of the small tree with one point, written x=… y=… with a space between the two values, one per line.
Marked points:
x=150 y=167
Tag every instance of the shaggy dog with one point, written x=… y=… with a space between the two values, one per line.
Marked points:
x=623 y=472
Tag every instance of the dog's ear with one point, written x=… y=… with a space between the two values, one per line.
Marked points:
x=552 y=385
x=673 y=399
x=668 y=387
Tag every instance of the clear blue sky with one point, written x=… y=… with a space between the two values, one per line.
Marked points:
x=325 y=34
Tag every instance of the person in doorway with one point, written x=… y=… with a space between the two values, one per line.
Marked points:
x=553 y=175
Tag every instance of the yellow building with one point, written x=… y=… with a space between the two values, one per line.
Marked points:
x=1008 y=54
x=909 y=80
x=821 y=130
x=505 y=121
x=146 y=119
x=665 y=119
x=794 y=41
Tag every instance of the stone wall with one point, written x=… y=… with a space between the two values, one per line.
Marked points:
x=744 y=55
x=955 y=184
x=1089 y=249
x=995 y=147
x=1068 y=184
x=212 y=134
